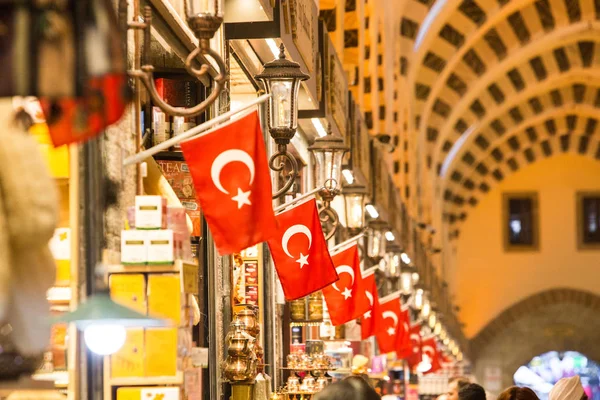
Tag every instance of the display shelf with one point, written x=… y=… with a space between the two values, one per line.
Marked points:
x=305 y=323
x=24 y=384
x=308 y=369
x=147 y=269
x=148 y=380
x=60 y=378
x=59 y=294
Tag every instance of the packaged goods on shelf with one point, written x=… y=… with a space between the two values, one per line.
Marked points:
x=150 y=212
x=134 y=247
x=161 y=247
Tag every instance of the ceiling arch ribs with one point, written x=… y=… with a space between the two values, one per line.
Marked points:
x=529 y=146
x=564 y=118
x=511 y=76
x=463 y=89
x=539 y=97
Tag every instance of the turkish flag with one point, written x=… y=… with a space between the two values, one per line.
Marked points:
x=403 y=344
x=346 y=299
x=300 y=253
x=429 y=349
x=390 y=312
x=77 y=119
x=415 y=356
x=233 y=184
x=371 y=321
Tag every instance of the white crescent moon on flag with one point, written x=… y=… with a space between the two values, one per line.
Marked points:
x=414 y=337
x=340 y=270
x=392 y=315
x=369 y=296
x=291 y=231
x=225 y=158
x=428 y=350
x=406 y=328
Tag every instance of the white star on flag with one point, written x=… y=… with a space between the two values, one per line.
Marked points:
x=367 y=315
x=347 y=293
x=391 y=331
x=242 y=198
x=303 y=260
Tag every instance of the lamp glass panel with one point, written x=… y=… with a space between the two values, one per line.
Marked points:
x=355 y=210
x=406 y=284
x=374 y=242
x=419 y=299
x=280 y=103
x=211 y=7
x=329 y=168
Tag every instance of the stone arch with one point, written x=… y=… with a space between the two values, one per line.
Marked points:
x=559 y=319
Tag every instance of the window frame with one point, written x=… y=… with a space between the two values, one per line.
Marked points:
x=535 y=223
x=579 y=220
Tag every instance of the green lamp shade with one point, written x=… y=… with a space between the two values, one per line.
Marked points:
x=101 y=309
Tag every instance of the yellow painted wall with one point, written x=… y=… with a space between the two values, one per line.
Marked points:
x=486 y=280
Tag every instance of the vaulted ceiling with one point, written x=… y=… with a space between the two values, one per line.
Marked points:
x=494 y=85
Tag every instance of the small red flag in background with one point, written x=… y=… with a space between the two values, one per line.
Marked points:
x=389 y=308
x=415 y=340
x=429 y=349
x=371 y=320
x=403 y=345
x=233 y=184
x=346 y=299
x=300 y=253
x=75 y=119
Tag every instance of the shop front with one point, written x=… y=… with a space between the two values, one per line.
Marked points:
x=168 y=287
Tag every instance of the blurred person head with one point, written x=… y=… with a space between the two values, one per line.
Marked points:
x=454 y=385
x=471 y=391
x=568 y=389
x=351 y=388
x=518 y=393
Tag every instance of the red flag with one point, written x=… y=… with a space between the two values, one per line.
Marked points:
x=233 y=184
x=403 y=344
x=76 y=119
x=371 y=320
x=389 y=307
x=429 y=349
x=346 y=299
x=415 y=340
x=299 y=251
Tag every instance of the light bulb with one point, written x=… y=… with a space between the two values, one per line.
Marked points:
x=104 y=339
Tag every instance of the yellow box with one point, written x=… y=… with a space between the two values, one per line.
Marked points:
x=63 y=272
x=161 y=352
x=129 y=290
x=129 y=360
x=164 y=296
x=57 y=158
x=148 y=393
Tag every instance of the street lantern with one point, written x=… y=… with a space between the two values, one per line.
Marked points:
x=281 y=78
x=419 y=297
x=426 y=308
x=376 y=240
x=432 y=319
x=355 y=196
x=328 y=151
x=407 y=278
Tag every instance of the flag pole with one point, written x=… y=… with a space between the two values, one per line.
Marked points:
x=347 y=242
x=142 y=155
x=297 y=199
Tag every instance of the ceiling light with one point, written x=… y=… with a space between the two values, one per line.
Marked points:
x=389 y=235
x=273 y=47
x=348 y=176
x=372 y=211
x=321 y=131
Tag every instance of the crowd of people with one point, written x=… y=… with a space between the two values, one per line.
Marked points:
x=357 y=388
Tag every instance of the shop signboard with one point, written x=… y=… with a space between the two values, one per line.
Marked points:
x=337 y=88
x=361 y=162
x=304 y=28
x=380 y=181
